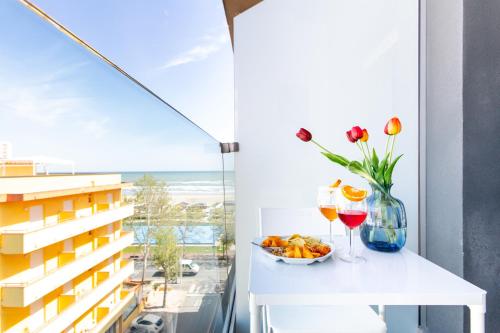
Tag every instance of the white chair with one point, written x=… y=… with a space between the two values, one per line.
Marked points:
x=313 y=319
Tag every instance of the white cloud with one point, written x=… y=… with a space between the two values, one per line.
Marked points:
x=211 y=44
x=43 y=106
x=35 y=105
x=221 y=38
x=43 y=99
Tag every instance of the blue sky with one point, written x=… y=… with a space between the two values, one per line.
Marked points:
x=56 y=99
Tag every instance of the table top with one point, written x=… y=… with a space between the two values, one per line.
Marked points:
x=401 y=278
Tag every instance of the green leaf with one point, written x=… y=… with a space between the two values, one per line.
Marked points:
x=341 y=160
x=390 y=169
x=374 y=160
x=381 y=170
x=356 y=168
x=365 y=166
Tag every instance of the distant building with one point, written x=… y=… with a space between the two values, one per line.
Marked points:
x=61 y=268
x=5 y=150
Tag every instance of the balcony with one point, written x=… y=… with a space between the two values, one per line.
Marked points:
x=102 y=311
x=67 y=216
x=65 y=301
x=75 y=309
x=102 y=276
x=20 y=239
x=22 y=293
x=102 y=207
x=66 y=258
x=112 y=313
x=103 y=240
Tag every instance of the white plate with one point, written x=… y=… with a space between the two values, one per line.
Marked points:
x=296 y=261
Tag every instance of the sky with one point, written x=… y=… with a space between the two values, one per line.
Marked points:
x=57 y=99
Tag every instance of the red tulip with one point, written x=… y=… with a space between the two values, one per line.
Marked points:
x=393 y=126
x=364 y=138
x=356 y=133
x=304 y=135
x=350 y=137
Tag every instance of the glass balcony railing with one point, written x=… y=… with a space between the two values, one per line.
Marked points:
x=61 y=99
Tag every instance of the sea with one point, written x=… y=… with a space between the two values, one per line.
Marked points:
x=189 y=182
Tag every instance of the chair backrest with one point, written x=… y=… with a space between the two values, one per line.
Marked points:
x=287 y=221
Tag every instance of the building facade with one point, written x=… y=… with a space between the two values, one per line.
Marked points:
x=61 y=242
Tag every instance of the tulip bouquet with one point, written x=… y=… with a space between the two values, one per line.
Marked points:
x=378 y=172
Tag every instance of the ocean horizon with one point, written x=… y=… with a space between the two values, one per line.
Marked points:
x=188 y=182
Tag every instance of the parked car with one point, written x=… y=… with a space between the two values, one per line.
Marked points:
x=149 y=323
x=135 y=257
x=138 y=330
x=189 y=268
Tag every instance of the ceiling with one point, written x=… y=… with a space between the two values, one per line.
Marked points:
x=235 y=7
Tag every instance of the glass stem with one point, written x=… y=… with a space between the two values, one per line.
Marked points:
x=331 y=231
x=351 y=243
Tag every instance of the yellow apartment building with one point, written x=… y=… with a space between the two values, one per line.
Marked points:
x=61 y=238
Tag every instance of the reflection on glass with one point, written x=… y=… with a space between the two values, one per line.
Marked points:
x=59 y=100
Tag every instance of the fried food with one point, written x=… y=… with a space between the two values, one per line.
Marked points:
x=297 y=246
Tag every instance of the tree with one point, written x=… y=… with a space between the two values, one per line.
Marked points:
x=225 y=227
x=152 y=206
x=165 y=254
x=193 y=214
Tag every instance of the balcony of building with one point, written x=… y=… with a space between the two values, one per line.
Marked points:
x=19 y=290
x=23 y=238
x=109 y=315
x=74 y=305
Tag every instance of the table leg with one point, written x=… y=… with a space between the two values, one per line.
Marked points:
x=477 y=313
x=263 y=311
x=255 y=312
x=381 y=312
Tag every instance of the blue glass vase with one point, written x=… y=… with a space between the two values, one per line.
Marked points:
x=385 y=226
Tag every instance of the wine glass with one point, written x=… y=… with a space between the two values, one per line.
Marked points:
x=352 y=213
x=326 y=204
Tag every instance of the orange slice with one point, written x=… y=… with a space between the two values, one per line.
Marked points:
x=353 y=194
x=336 y=184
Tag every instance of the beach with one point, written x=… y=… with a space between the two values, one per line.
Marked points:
x=191 y=187
x=203 y=188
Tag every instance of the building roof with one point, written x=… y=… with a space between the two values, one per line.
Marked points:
x=15 y=189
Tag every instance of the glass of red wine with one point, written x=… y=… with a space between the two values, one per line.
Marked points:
x=352 y=212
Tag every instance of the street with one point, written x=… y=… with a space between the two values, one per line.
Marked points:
x=193 y=304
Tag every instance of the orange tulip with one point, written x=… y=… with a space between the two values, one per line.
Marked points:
x=364 y=138
x=393 y=126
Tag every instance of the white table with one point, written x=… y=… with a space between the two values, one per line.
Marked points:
x=402 y=278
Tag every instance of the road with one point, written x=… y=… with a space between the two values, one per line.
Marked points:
x=193 y=305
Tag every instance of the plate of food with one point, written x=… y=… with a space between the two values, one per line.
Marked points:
x=295 y=249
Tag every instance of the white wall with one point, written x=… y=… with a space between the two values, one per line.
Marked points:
x=325 y=65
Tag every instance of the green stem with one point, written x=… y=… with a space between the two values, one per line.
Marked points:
x=368 y=150
x=387 y=144
x=320 y=146
x=392 y=149
x=360 y=146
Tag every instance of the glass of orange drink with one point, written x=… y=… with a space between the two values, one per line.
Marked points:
x=326 y=204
